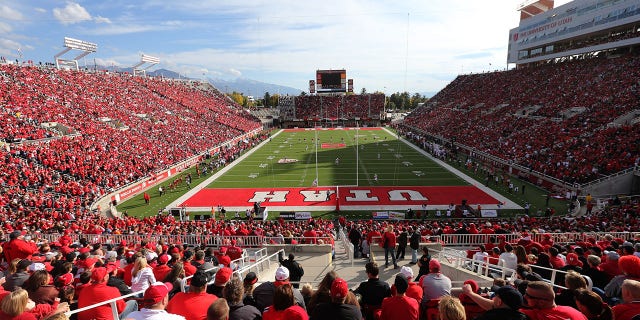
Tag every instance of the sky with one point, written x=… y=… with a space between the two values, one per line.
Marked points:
x=386 y=46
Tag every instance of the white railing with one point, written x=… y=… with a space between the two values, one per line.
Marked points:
x=471 y=240
x=260 y=256
x=348 y=246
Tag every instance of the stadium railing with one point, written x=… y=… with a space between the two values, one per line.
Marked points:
x=264 y=259
x=348 y=246
x=470 y=240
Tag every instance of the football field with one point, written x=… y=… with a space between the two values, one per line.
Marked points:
x=336 y=169
x=337 y=158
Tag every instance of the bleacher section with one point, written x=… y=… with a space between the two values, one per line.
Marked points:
x=522 y=116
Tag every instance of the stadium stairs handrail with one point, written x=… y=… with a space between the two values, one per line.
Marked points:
x=114 y=308
x=473 y=240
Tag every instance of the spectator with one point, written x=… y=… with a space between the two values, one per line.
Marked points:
x=508 y=259
x=630 y=267
x=284 y=306
x=423 y=263
x=19 y=277
x=402 y=243
x=39 y=288
x=598 y=277
x=141 y=275
x=17 y=247
x=592 y=306
x=223 y=275
x=337 y=308
x=414 y=244
x=193 y=305
x=400 y=306
x=389 y=245
x=15 y=306
x=98 y=291
x=373 y=291
x=218 y=310
x=249 y=281
x=155 y=299
x=629 y=309
x=414 y=290
x=435 y=285
x=295 y=269
x=322 y=293
x=573 y=281
x=540 y=300
x=233 y=292
x=450 y=308
x=265 y=291
x=504 y=305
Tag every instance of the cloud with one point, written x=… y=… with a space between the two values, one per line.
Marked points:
x=10 y=14
x=106 y=62
x=100 y=19
x=40 y=10
x=71 y=14
x=8 y=48
x=5 y=28
x=234 y=72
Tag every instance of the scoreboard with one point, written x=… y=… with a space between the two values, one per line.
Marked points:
x=331 y=80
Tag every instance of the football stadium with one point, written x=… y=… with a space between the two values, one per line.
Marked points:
x=509 y=194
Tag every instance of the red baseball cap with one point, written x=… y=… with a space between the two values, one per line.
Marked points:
x=339 y=288
x=156 y=292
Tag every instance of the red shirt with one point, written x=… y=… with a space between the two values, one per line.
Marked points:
x=161 y=271
x=294 y=312
x=399 y=307
x=557 y=313
x=626 y=311
x=390 y=239
x=98 y=292
x=22 y=316
x=192 y=306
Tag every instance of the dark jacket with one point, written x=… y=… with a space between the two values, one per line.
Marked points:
x=243 y=312
x=336 y=311
x=414 y=241
x=402 y=239
x=373 y=291
x=295 y=269
x=119 y=283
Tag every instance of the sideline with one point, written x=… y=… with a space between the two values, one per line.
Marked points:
x=507 y=204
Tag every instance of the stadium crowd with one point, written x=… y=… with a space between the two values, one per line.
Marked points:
x=108 y=130
x=364 y=106
x=48 y=278
x=565 y=122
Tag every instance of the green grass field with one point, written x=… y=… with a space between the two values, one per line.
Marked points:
x=371 y=153
x=398 y=165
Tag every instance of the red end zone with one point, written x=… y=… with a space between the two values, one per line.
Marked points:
x=346 y=198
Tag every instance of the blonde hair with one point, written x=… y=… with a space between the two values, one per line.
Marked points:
x=15 y=303
x=450 y=308
x=139 y=264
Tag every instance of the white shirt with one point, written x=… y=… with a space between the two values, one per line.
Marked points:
x=142 y=280
x=479 y=256
x=150 y=314
x=510 y=260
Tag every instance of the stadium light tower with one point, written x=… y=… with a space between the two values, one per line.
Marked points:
x=145 y=59
x=74 y=44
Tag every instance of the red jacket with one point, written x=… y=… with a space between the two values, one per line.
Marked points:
x=389 y=239
x=18 y=248
x=98 y=292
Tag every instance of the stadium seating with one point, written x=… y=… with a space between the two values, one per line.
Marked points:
x=110 y=130
x=554 y=119
x=367 y=106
